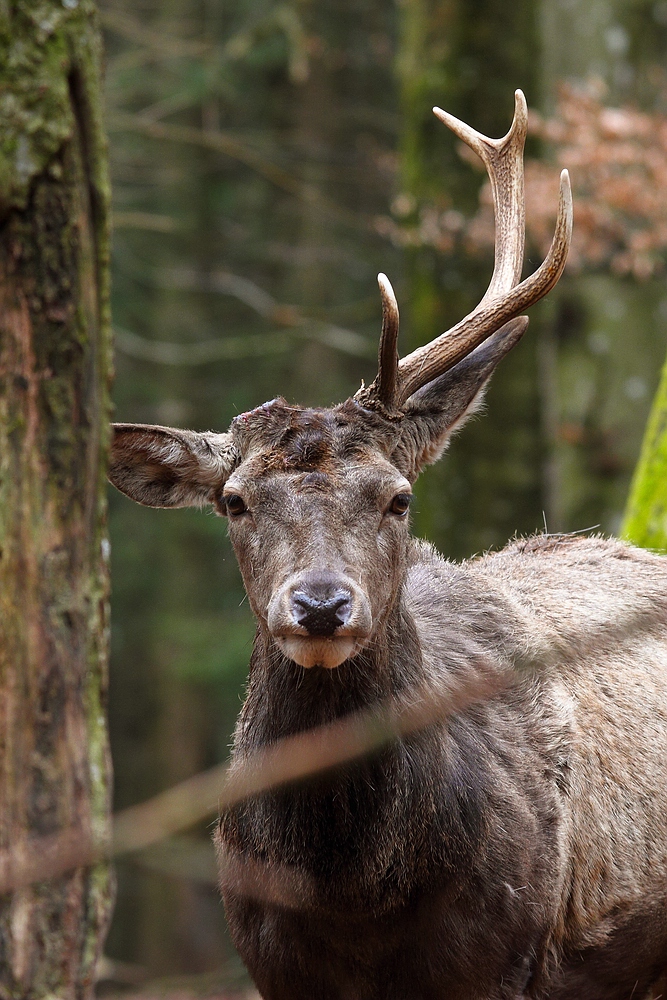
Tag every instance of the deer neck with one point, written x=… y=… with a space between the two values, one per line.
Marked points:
x=337 y=822
x=284 y=698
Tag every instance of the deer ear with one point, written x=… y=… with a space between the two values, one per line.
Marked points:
x=441 y=407
x=165 y=467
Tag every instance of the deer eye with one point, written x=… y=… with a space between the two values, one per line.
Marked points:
x=234 y=504
x=400 y=505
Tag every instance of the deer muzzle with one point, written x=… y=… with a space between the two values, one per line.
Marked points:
x=320 y=619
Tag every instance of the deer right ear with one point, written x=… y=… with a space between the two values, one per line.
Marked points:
x=441 y=407
x=165 y=467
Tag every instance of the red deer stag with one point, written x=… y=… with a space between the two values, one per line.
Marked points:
x=517 y=849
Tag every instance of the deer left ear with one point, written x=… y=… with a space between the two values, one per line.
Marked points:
x=441 y=407
x=166 y=467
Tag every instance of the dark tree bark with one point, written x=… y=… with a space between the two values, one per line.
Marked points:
x=54 y=407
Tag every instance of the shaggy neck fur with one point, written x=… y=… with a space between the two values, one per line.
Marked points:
x=340 y=829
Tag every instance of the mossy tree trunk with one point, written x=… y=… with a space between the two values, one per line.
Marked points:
x=645 y=520
x=54 y=410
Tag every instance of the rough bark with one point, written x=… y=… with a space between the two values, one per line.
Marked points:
x=54 y=408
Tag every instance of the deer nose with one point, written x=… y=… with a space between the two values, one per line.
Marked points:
x=320 y=611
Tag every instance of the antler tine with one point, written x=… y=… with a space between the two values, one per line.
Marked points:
x=427 y=362
x=388 y=350
x=503 y=159
x=505 y=298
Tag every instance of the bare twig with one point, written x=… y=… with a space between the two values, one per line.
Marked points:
x=287 y=761
x=284 y=315
x=223 y=142
x=144 y=220
x=232 y=348
x=220 y=142
x=167 y=45
x=187 y=279
x=167 y=106
x=164 y=352
x=162 y=45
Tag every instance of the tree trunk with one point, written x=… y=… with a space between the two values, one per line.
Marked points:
x=467 y=58
x=54 y=408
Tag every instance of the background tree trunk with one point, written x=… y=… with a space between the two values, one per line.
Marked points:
x=467 y=57
x=54 y=409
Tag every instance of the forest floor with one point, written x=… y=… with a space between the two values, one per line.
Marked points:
x=124 y=981
x=186 y=995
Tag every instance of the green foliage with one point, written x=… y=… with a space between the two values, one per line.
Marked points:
x=645 y=521
x=207 y=648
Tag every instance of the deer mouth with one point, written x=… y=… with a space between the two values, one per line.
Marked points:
x=320 y=618
x=318 y=651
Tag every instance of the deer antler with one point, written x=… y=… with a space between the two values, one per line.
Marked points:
x=504 y=298
x=388 y=360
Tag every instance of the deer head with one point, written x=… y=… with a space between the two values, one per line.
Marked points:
x=317 y=499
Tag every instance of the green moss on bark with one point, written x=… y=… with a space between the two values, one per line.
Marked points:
x=55 y=367
x=645 y=521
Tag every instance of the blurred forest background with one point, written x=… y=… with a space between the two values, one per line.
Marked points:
x=268 y=158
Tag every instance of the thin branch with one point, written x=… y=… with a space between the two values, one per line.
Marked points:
x=167 y=106
x=164 y=352
x=204 y=795
x=300 y=326
x=340 y=339
x=187 y=279
x=144 y=220
x=128 y=60
x=235 y=48
x=256 y=298
x=222 y=142
x=136 y=31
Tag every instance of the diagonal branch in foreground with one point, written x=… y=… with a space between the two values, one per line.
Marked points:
x=202 y=796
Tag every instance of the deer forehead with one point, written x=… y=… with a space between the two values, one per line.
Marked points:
x=316 y=452
x=305 y=438
x=273 y=481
